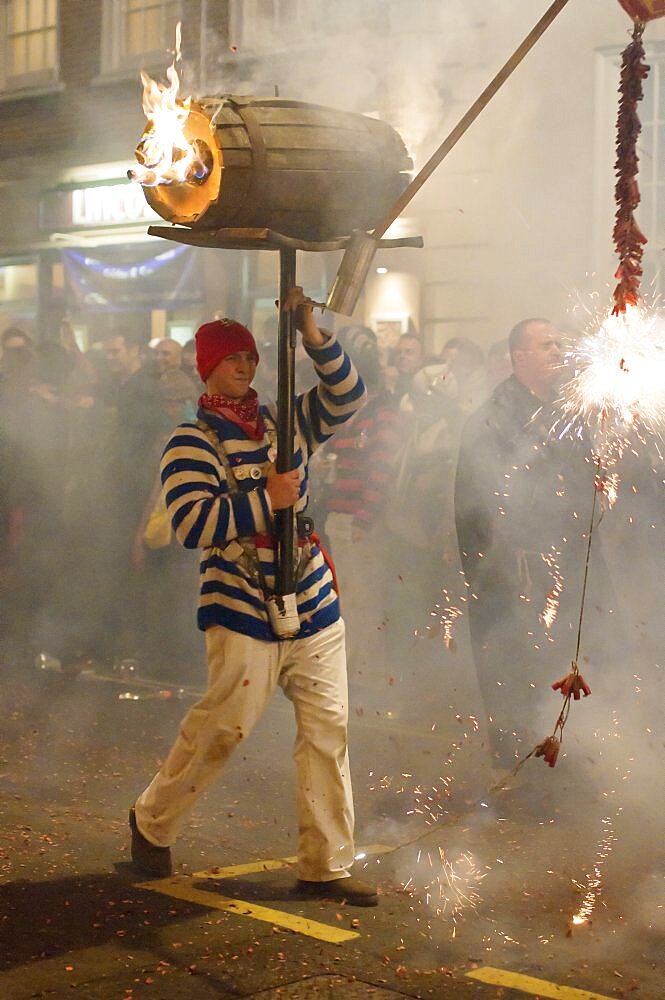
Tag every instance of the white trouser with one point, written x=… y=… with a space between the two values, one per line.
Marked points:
x=242 y=676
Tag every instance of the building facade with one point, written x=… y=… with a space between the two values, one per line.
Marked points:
x=517 y=220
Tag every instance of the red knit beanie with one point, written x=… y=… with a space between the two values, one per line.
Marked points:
x=216 y=340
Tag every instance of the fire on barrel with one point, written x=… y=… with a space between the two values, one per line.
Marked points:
x=306 y=171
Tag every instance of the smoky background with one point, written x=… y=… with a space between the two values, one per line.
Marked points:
x=517 y=223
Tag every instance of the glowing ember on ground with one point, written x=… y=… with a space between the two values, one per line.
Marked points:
x=594 y=878
x=164 y=153
x=619 y=381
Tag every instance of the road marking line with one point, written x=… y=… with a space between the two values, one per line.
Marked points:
x=233 y=871
x=179 y=889
x=529 y=984
x=269 y=865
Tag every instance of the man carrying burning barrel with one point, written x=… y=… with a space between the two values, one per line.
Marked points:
x=222 y=491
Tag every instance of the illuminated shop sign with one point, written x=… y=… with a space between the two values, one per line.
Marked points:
x=93 y=207
x=110 y=205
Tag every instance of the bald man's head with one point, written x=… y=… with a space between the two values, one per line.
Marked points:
x=535 y=354
x=168 y=355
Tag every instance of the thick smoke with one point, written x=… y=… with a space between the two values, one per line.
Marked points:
x=421 y=725
x=407 y=73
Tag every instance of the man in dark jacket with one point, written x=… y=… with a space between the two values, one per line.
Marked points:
x=522 y=501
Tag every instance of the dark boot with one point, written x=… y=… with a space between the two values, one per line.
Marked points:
x=152 y=861
x=349 y=890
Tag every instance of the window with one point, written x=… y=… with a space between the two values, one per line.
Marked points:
x=29 y=43
x=138 y=33
x=263 y=25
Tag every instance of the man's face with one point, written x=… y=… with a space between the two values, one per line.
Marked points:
x=407 y=355
x=120 y=357
x=233 y=375
x=539 y=361
x=168 y=354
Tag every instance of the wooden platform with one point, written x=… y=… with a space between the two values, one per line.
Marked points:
x=262 y=239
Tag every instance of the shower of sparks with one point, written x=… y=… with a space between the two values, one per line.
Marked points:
x=550 y=611
x=432 y=802
x=609 y=487
x=594 y=878
x=429 y=801
x=619 y=381
x=447 y=614
x=443 y=885
x=447 y=886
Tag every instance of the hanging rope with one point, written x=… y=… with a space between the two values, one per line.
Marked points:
x=628 y=238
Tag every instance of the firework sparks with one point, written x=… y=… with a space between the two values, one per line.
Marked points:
x=619 y=381
x=608 y=485
x=449 y=886
x=447 y=615
x=550 y=611
x=447 y=621
x=443 y=883
x=594 y=878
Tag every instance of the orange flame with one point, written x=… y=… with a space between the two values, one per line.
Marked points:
x=164 y=153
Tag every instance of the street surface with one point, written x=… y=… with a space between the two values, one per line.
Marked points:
x=492 y=919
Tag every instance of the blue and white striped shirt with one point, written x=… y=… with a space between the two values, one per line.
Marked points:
x=204 y=515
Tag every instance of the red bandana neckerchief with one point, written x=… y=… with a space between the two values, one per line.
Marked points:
x=244 y=412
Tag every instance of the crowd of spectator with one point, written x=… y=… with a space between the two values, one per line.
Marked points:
x=80 y=438
x=81 y=576
x=447 y=482
x=88 y=570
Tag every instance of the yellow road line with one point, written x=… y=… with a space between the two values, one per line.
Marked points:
x=234 y=870
x=529 y=984
x=180 y=889
x=269 y=865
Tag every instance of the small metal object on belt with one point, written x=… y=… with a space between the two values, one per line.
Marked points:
x=253 y=472
x=305 y=525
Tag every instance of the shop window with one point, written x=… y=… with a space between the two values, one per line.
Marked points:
x=18 y=292
x=137 y=33
x=28 y=43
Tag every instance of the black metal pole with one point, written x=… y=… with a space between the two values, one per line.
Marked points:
x=286 y=381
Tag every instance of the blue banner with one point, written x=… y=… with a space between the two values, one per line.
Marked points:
x=127 y=278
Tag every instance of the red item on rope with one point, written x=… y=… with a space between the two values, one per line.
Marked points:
x=549 y=750
x=628 y=238
x=572 y=684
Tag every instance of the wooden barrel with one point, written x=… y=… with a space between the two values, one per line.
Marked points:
x=307 y=171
